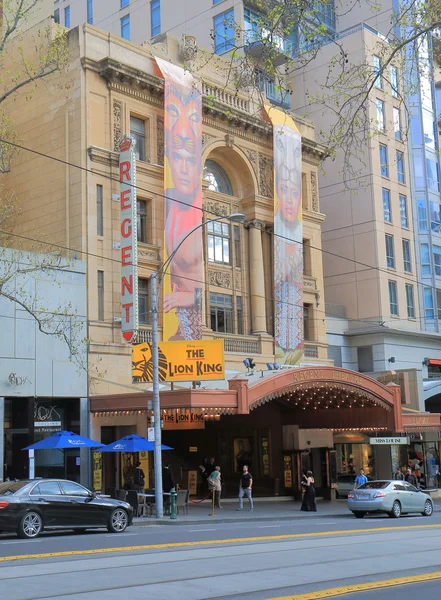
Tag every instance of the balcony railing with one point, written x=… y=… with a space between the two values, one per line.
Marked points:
x=242 y=345
x=311 y=351
x=275 y=93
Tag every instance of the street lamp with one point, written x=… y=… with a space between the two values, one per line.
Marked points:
x=158 y=276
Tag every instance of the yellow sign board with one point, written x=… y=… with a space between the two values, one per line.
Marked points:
x=97 y=471
x=180 y=361
x=193 y=483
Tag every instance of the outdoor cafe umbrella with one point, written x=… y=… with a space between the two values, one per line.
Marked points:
x=62 y=440
x=132 y=443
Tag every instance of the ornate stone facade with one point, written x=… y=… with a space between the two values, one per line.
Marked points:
x=266 y=176
x=160 y=140
x=117 y=124
x=219 y=278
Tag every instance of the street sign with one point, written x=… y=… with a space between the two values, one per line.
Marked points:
x=151 y=434
x=389 y=441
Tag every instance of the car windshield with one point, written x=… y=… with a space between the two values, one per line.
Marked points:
x=374 y=485
x=11 y=487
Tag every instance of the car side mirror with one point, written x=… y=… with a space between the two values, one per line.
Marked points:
x=91 y=496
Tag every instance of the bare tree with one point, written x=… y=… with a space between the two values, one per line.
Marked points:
x=26 y=60
x=302 y=32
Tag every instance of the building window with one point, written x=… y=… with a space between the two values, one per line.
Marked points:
x=90 y=12
x=239 y=315
x=224 y=33
x=100 y=295
x=406 y=256
x=137 y=131
x=141 y=217
x=393 y=298
x=432 y=174
x=218 y=242
x=438 y=303
x=422 y=215
x=429 y=311
x=57 y=15
x=404 y=217
x=377 y=70
x=155 y=17
x=217 y=178
x=221 y=312
x=390 y=254
x=386 y=206
x=216 y=2
x=400 y=166
x=410 y=301
x=437 y=259
x=307 y=333
x=124 y=3
x=99 y=210
x=67 y=16
x=143 y=301
x=125 y=27
x=325 y=13
x=237 y=246
x=384 y=165
x=396 y=116
x=425 y=259
x=394 y=82
x=435 y=216
x=380 y=115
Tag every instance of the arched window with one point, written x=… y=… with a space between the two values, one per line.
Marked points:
x=217 y=178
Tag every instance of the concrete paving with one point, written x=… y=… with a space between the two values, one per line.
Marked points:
x=264 y=510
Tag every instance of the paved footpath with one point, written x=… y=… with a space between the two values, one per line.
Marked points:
x=263 y=511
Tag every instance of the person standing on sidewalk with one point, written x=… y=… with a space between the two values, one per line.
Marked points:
x=246 y=484
x=215 y=485
x=399 y=475
x=360 y=479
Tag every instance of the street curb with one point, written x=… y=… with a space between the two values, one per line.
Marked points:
x=148 y=522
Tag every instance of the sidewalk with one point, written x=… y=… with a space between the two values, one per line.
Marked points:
x=264 y=510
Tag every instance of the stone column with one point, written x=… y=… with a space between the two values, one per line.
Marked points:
x=85 y=453
x=257 y=278
x=2 y=438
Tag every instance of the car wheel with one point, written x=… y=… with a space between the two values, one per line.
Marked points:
x=359 y=514
x=30 y=526
x=396 y=510
x=428 y=509
x=118 y=521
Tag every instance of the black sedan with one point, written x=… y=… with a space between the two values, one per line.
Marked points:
x=28 y=507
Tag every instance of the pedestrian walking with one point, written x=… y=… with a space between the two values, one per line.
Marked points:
x=360 y=479
x=215 y=485
x=399 y=475
x=411 y=478
x=308 y=502
x=245 y=488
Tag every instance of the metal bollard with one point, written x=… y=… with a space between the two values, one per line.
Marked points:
x=173 y=496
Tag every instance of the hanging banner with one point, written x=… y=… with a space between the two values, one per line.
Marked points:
x=180 y=361
x=98 y=471
x=288 y=255
x=129 y=239
x=183 y=283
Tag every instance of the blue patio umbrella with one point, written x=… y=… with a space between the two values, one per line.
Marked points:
x=132 y=443
x=64 y=440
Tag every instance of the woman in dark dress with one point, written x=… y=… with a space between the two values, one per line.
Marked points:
x=310 y=492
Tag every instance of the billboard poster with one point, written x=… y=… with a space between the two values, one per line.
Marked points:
x=180 y=361
x=129 y=239
x=288 y=255
x=183 y=282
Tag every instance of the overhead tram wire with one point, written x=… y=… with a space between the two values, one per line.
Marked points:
x=157 y=194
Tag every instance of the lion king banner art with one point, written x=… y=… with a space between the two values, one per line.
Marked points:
x=288 y=256
x=183 y=283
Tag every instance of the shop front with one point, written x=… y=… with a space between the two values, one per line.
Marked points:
x=29 y=420
x=279 y=424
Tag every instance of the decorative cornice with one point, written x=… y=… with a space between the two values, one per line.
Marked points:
x=255 y=224
x=110 y=159
x=226 y=118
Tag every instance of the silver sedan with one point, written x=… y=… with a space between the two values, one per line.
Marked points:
x=392 y=497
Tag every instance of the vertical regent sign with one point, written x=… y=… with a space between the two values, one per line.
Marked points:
x=129 y=239
x=288 y=255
